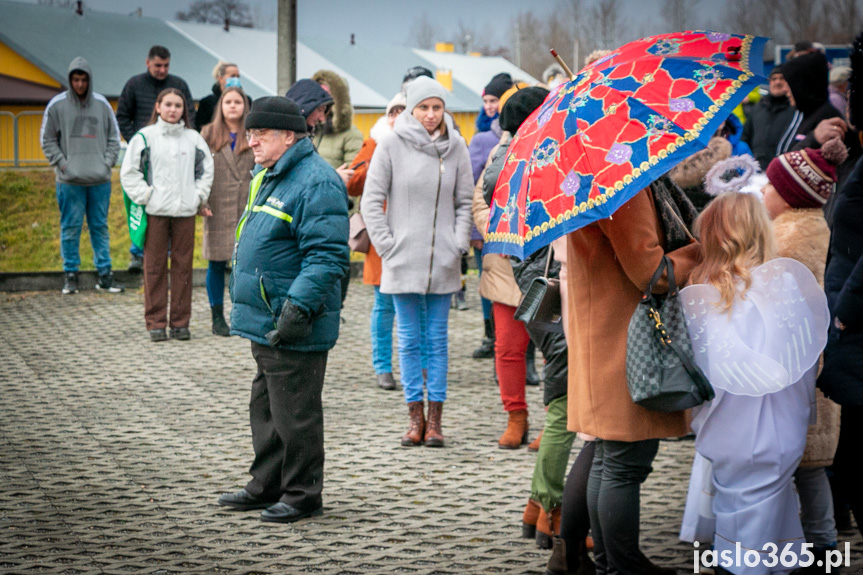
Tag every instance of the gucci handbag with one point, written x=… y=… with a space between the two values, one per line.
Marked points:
x=660 y=369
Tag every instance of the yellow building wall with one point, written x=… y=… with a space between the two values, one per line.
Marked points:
x=466 y=123
x=12 y=64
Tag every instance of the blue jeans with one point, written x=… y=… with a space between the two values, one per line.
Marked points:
x=216 y=282
x=383 y=314
x=75 y=202
x=409 y=308
x=486 y=304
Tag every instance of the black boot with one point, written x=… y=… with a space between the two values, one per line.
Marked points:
x=220 y=326
x=532 y=378
x=486 y=349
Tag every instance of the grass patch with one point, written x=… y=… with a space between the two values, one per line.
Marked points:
x=30 y=225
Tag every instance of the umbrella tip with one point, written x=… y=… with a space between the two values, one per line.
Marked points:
x=563 y=65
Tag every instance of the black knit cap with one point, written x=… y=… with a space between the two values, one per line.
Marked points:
x=519 y=106
x=498 y=85
x=276 y=113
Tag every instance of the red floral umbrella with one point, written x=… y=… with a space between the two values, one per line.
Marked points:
x=621 y=123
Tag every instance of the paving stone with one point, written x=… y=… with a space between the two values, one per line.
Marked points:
x=114 y=449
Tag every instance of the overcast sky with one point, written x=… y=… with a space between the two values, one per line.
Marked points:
x=390 y=21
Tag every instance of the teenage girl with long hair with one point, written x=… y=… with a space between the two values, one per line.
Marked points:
x=168 y=169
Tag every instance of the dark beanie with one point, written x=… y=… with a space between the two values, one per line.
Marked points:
x=276 y=113
x=498 y=85
x=519 y=106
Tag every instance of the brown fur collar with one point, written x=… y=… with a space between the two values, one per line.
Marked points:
x=691 y=171
x=342 y=111
x=803 y=235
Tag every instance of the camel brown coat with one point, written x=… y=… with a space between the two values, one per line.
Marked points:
x=228 y=198
x=497 y=282
x=609 y=264
x=803 y=235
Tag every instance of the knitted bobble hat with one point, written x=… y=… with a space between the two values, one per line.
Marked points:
x=807 y=178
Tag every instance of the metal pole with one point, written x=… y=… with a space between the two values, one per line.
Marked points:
x=287 y=45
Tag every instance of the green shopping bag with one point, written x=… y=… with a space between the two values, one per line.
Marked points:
x=137 y=217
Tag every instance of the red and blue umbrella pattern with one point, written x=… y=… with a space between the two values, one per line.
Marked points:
x=620 y=124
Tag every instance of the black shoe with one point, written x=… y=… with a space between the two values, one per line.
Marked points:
x=485 y=350
x=242 y=500
x=71 y=283
x=181 y=333
x=284 y=513
x=106 y=283
x=136 y=265
x=158 y=335
x=386 y=381
x=220 y=326
x=531 y=376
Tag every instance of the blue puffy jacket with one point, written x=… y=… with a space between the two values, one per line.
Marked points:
x=292 y=245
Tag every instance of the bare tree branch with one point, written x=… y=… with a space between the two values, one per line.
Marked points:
x=226 y=12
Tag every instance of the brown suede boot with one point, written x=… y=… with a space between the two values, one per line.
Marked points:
x=434 y=436
x=516 y=430
x=534 y=445
x=567 y=561
x=529 y=518
x=414 y=436
x=547 y=526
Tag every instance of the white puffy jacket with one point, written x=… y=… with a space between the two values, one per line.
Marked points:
x=182 y=170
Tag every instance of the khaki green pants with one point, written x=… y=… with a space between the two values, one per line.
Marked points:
x=552 y=460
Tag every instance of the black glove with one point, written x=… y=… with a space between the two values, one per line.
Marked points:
x=293 y=324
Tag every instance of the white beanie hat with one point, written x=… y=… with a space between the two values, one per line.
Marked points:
x=423 y=88
x=398 y=100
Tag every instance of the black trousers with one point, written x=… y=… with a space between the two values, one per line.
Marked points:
x=614 y=504
x=287 y=420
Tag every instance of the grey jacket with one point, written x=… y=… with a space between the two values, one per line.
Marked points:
x=80 y=136
x=428 y=188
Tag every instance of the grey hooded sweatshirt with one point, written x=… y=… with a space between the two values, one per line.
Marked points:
x=428 y=187
x=80 y=136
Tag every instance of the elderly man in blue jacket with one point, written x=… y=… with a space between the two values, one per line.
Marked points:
x=291 y=251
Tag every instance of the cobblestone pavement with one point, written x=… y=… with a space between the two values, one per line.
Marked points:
x=113 y=451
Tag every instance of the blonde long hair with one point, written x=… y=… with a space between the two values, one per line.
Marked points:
x=217 y=134
x=736 y=236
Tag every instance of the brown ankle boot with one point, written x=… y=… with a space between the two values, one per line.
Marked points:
x=534 y=445
x=434 y=436
x=547 y=526
x=529 y=518
x=567 y=561
x=516 y=430
x=414 y=436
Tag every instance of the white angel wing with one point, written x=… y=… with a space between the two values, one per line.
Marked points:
x=794 y=311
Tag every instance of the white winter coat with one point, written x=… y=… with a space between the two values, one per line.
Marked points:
x=182 y=170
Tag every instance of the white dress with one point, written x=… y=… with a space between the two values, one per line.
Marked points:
x=762 y=361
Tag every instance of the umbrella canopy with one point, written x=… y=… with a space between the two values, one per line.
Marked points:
x=621 y=123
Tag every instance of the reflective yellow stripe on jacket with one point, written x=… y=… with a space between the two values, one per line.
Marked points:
x=254 y=186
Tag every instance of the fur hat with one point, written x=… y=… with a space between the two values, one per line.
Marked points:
x=691 y=172
x=398 y=100
x=421 y=89
x=276 y=113
x=519 y=106
x=807 y=178
x=498 y=85
x=515 y=88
